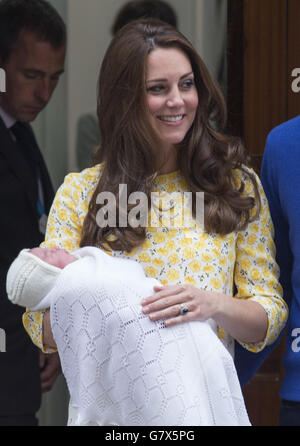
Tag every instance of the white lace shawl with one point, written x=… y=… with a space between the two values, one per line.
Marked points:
x=121 y=368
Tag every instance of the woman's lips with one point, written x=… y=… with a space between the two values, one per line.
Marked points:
x=173 y=120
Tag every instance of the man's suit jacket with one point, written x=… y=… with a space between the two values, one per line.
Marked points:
x=20 y=391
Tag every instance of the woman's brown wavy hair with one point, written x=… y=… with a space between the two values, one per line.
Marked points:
x=130 y=147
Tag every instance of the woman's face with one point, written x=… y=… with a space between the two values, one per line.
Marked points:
x=171 y=94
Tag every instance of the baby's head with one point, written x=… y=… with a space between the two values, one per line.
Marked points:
x=53 y=256
x=33 y=274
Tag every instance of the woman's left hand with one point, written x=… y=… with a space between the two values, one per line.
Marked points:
x=181 y=303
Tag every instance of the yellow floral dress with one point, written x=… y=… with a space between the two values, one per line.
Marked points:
x=240 y=264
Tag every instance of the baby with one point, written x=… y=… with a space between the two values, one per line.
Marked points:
x=54 y=256
x=121 y=368
x=33 y=274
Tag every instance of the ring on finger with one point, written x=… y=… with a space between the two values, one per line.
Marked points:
x=184 y=309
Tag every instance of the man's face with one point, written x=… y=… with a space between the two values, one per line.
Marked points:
x=32 y=73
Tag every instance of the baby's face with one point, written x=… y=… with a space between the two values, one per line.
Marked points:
x=53 y=256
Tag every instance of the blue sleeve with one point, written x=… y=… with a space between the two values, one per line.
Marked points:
x=274 y=183
x=246 y=362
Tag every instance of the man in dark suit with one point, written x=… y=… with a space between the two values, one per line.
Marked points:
x=32 y=53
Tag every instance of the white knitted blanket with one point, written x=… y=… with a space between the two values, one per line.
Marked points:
x=121 y=368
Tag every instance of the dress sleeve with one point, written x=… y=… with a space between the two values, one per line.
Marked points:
x=256 y=273
x=63 y=230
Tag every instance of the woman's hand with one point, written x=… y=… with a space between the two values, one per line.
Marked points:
x=182 y=303
x=244 y=319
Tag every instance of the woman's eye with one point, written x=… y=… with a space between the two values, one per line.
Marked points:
x=155 y=89
x=188 y=83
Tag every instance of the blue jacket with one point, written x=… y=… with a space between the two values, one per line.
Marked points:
x=281 y=180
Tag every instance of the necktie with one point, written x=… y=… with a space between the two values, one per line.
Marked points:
x=26 y=142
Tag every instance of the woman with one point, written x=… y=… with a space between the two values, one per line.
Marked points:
x=161 y=117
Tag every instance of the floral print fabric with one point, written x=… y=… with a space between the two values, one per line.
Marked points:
x=241 y=264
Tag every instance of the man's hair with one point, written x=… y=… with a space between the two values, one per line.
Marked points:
x=36 y=16
x=147 y=9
